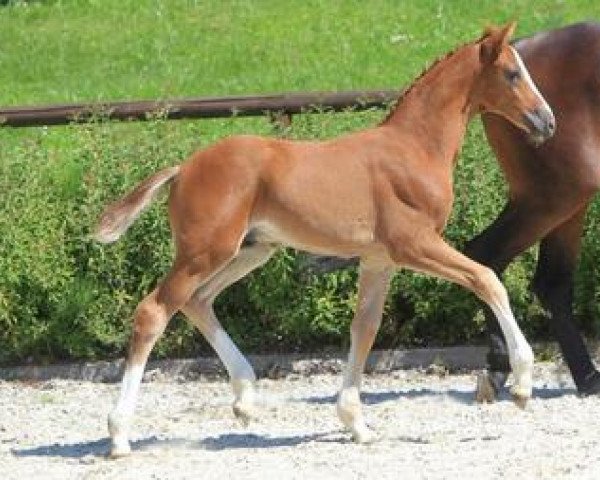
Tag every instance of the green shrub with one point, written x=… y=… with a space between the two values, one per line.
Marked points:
x=62 y=296
x=587 y=281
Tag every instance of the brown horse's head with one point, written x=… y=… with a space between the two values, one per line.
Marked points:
x=505 y=87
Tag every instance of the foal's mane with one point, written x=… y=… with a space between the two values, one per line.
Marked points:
x=488 y=31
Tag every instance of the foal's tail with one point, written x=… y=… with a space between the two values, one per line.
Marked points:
x=118 y=216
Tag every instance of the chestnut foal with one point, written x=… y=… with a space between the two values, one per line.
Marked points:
x=382 y=194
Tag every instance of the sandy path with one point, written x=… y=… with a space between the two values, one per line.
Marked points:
x=428 y=424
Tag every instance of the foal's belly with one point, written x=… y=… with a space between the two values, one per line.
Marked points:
x=353 y=239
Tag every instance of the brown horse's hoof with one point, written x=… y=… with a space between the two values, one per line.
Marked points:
x=486 y=393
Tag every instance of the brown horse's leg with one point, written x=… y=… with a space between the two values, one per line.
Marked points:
x=553 y=285
x=372 y=290
x=150 y=319
x=434 y=256
x=199 y=311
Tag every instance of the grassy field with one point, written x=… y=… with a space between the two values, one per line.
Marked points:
x=61 y=296
x=72 y=50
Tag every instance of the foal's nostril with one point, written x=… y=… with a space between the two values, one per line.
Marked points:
x=549 y=121
x=541 y=124
x=542 y=121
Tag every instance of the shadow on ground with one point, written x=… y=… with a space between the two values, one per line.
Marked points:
x=466 y=397
x=226 y=441
x=249 y=440
x=97 y=448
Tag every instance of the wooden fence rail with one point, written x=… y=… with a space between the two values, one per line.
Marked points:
x=207 y=107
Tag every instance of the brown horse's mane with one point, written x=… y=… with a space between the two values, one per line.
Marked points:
x=488 y=31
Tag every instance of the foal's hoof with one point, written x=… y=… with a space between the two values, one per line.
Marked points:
x=520 y=396
x=243 y=405
x=119 y=450
x=486 y=392
x=521 y=391
x=245 y=412
x=365 y=436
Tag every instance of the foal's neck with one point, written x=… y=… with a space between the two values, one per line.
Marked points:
x=437 y=106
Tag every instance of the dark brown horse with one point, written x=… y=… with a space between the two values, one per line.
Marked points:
x=382 y=194
x=550 y=188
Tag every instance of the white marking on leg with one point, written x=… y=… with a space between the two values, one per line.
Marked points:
x=349 y=406
x=120 y=418
x=520 y=353
x=236 y=364
x=241 y=373
x=373 y=287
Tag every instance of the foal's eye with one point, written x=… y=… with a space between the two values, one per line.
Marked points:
x=512 y=76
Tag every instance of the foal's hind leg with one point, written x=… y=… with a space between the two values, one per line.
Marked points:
x=150 y=319
x=372 y=290
x=199 y=310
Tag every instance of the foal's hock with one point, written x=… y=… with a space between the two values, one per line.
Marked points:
x=382 y=194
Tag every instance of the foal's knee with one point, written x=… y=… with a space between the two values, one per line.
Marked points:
x=488 y=287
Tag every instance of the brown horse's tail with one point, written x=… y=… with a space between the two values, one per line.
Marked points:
x=118 y=216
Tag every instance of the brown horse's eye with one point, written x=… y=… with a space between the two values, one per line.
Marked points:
x=512 y=76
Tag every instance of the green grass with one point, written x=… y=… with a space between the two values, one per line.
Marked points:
x=57 y=51
x=62 y=296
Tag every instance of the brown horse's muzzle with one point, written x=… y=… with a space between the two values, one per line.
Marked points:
x=541 y=124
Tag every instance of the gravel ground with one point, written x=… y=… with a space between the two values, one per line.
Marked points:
x=429 y=425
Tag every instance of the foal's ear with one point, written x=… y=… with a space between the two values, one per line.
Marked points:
x=494 y=38
x=508 y=30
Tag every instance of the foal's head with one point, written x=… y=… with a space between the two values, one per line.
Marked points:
x=505 y=87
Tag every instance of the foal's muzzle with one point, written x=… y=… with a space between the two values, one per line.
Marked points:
x=541 y=124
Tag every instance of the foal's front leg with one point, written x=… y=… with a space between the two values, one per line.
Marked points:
x=436 y=257
x=372 y=290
